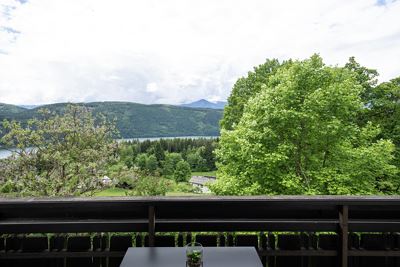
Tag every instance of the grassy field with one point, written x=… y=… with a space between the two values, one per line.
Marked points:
x=111 y=192
x=119 y=192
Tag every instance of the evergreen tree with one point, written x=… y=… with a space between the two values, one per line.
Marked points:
x=207 y=153
x=159 y=153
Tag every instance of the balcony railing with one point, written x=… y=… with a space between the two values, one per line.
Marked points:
x=286 y=231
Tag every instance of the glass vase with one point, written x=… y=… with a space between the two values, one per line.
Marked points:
x=194 y=255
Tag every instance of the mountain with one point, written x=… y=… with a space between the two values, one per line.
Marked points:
x=202 y=103
x=135 y=120
x=29 y=106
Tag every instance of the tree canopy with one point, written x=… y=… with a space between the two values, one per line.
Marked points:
x=299 y=133
x=245 y=88
x=385 y=111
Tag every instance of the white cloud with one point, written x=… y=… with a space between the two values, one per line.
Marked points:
x=173 y=51
x=151 y=87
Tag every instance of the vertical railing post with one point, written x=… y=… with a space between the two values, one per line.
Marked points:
x=263 y=247
x=152 y=226
x=344 y=235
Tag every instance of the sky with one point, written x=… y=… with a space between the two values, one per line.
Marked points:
x=178 y=51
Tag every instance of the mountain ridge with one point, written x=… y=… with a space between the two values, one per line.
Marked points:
x=135 y=120
x=202 y=103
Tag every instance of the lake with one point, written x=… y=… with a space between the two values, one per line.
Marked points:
x=6 y=153
x=158 y=138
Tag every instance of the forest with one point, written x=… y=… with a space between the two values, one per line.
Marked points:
x=168 y=162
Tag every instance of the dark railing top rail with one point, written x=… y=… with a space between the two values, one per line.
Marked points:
x=341 y=214
x=161 y=214
x=336 y=200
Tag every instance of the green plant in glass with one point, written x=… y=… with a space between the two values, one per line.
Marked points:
x=194 y=255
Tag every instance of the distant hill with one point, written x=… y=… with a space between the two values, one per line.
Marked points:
x=137 y=120
x=202 y=103
x=10 y=109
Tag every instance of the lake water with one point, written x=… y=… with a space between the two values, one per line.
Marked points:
x=6 y=153
x=158 y=138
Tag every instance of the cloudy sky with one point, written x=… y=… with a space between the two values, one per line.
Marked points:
x=174 y=51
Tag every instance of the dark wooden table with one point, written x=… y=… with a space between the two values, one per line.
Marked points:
x=176 y=257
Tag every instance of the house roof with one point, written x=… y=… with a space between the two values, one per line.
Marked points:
x=202 y=180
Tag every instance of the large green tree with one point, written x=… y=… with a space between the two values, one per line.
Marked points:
x=300 y=135
x=58 y=155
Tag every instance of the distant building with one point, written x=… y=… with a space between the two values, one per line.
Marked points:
x=201 y=181
x=106 y=181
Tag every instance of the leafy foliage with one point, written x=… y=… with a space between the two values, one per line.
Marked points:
x=382 y=104
x=164 y=164
x=182 y=171
x=151 y=163
x=171 y=161
x=196 y=161
x=366 y=77
x=199 y=153
x=300 y=134
x=70 y=154
x=244 y=89
x=141 y=161
x=150 y=185
x=194 y=258
x=385 y=111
